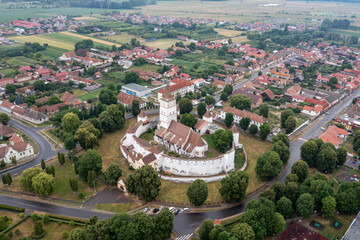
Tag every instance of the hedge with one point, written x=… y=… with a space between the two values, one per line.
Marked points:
x=40 y=236
x=65 y=218
x=15 y=225
x=7 y=207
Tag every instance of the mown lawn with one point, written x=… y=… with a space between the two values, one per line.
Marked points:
x=89 y=95
x=212 y=152
x=118 y=207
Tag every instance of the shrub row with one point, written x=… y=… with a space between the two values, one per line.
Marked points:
x=40 y=236
x=65 y=218
x=15 y=225
x=7 y=207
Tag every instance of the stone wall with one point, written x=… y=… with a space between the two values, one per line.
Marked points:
x=197 y=167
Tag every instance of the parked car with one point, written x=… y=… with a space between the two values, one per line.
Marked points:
x=185 y=210
x=146 y=209
x=177 y=211
x=171 y=209
x=156 y=210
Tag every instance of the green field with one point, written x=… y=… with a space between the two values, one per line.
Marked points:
x=21 y=61
x=346 y=32
x=90 y=95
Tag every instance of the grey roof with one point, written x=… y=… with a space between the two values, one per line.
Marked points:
x=354 y=230
x=34 y=114
x=136 y=87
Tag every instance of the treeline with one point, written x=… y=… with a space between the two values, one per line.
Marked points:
x=111 y=4
x=327 y=24
x=29 y=48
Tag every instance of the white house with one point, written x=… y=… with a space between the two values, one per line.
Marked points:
x=17 y=148
x=239 y=114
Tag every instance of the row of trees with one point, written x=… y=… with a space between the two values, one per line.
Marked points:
x=323 y=156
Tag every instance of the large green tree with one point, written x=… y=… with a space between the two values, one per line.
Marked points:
x=70 y=122
x=201 y=109
x=197 y=192
x=285 y=115
x=43 y=184
x=282 y=150
x=268 y=165
x=112 y=118
x=242 y=231
x=4 y=118
x=244 y=123
x=264 y=110
x=233 y=186
x=135 y=108
x=189 y=120
x=228 y=89
x=91 y=160
x=305 y=205
x=205 y=229
x=327 y=159
x=222 y=140
x=27 y=176
x=281 y=137
x=240 y=101
x=285 y=207
x=328 y=206
x=264 y=131
x=209 y=100
x=87 y=135
x=229 y=119
x=290 y=124
x=341 y=156
x=185 y=106
x=107 y=97
x=145 y=183
x=113 y=173
x=253 y=129
x=301 y=169
x=309 y=152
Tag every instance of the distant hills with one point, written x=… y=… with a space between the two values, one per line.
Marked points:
x=104 y=4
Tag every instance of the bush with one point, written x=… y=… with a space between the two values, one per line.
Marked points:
x=21 y=215
x=10 y=234
x=17 y=209
x=46 y=219
x=65 y=234
x=59 y=223
x=72 y=224
x=35 y=217
x=17 y=232
x=81 y=195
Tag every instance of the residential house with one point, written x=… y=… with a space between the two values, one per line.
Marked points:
x=5 y=132
x=239 y=114
x=127 y=100
x=334 y=135
x=17 y=148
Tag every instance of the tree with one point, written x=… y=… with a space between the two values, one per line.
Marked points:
x=107 y=97
x=241 y=102
x=268 y=165
x=319 y=189
x=10 y=89
x=282 y=150
x=9 y=179
x=341 y=156
x=279 y=189
x=300 y=168
x=277 y=224
x=291 y=177
x=327 y=159
x=27 y=176
x=144 y=182
x=70 y=122
x=201 y=109
x=38 y=228
x=290 y=124
x=264 y=110
x=43 y=184
x=87 y=135
x=309 y=152
x=178 y=53
x=54 y=100
x=91 y=179
x=222 y=140
x=228 y=89
x=242 y=231
x=281 y=137
x=77 y=234
x=197 y=192
x=69 y=143
x=113 y=118
x=209 y=100
x=43 y=165
x=189 y=120
x=233 y=186
x=285 y=115
x=3 y=224
x=285 y=207
x=46 y=219
x=164 y=224
x=333 y=81
x=269 y=194
x=264 y=131
x=4 y=118
x=132 y=77
x=135 y=108
x=291 y=191
x=305 y=205
x=328 y=206
x=229 y=119
x=205 y=229
x=253 y=129
x=185 y=106
x=244 y=123
x=74 y=184
x=113 y=173
x=89 y=161
x=223 y=96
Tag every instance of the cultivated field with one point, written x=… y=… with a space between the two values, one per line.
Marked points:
x=346 y=32
x=228 y=32
x=95 y=40
x=86 y=18
x=45 y=38
x=123 y=38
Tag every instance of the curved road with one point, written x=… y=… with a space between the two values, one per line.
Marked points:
x=183 y=223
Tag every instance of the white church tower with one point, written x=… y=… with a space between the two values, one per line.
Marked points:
x=167 y=109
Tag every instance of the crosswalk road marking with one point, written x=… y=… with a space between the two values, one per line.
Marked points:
x=185 y=237
x=302 y=139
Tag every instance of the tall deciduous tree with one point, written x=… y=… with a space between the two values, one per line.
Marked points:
x=188 y=120
x=305 y=205
x=233 y=186
x=185 y=106
x=328 y=206
x=113 y=118
x=240 y=101
x=285 y=207
x=301 y=169
x=268 y=165
x=222 y=140
x=4 y=118
x=341 y=156
x=113 y=173
x=144 y=182
x=74 y=184
x=327 y=159
x=70 y=122
x=43 y=184
x=197 y=192
x=87 y=135
x=264 y=131
x=201 y=109
x=283 y=138
x=164 y=224
x=282 y=150
x=253 y=129
x=229 y=119
x=290 y=124
x=285 y=115
x=242 y=231
x=107 y=97
x=264 y=110
x=244 y=123
x=205 y=229
x=228 y=89
x=26 y=178
x=209 y=100
x=135 y=108
x=89 y=161
x=309 y=152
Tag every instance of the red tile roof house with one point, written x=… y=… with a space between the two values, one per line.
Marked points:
x=239 y=114
x=312 y=111
x=17 y=148
x=127 y=100
x=181 y=87
x=5 y=81
x=5 y=132
x=29 y=115
x=334 y=135
x=6 y=106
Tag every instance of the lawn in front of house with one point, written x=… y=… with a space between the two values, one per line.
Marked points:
x=118 y=207
x=89 y=95
x=148 y=135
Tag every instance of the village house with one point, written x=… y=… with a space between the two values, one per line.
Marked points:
x=182 y=87
x=17 y=148
x=5 y=132
x=334 y=135
x=239 y=114
x=127 y=100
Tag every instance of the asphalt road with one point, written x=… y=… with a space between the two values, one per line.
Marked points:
x=45 y=151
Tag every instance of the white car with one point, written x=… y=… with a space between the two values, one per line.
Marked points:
x=171 y=209
x=185 y=210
